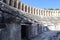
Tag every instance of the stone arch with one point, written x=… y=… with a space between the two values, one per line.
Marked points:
x=14 y=3
x=22 y=6
x=25 y=8
x=28 y=9
x=19 y=5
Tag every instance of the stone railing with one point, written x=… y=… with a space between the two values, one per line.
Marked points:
x=32 y=10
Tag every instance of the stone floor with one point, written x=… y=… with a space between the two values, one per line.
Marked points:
x=51 y=35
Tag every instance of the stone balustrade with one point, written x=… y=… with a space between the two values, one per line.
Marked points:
x=32 y=10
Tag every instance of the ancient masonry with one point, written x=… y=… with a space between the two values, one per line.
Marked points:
x=19 y=21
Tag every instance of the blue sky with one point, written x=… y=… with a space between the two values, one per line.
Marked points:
x=43 y=3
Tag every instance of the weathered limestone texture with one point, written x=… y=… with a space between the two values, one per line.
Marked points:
x=34 y=30
x=39 y=28
x=15 y=25
x=10 y=28
x=11 y=32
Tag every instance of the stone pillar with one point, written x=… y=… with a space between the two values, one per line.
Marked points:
x=39 y=28
x=33 y=10
x=30 y=9
x=16 y=3
x=24 y=8
x=41 y=12
x=8 y=1
x=50 y=13
x=45 y=12
x=38 y=12
x=57 y=14
x=20 y=6
x=11 y=32
x=34 y=31
x=27 y=9
x=12 y=3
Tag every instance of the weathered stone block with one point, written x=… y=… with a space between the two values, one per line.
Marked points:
x=11 y=32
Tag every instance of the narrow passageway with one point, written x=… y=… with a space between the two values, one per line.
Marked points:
x=24 y=31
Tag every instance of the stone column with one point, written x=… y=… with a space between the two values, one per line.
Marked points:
x=24 y=8
x=8 y=1
x=33 y=10
x=38 y=12
x=30 y=9
x=50 y=13
x=34 y=31
x=39 y=28
x=20 y=6
x=45 y=12
x=27 y=9
x=12 y=3
x=57 y=14
x=16 y=3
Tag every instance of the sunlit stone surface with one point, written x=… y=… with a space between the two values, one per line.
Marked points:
x=22 y=22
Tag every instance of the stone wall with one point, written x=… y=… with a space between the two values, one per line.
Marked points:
x=11 y=22
x=12 y=31
x=10 y=28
